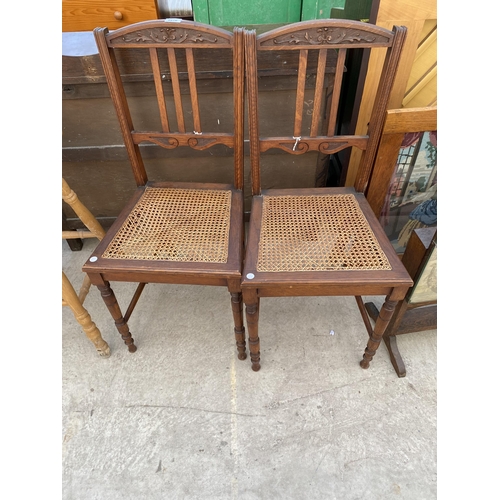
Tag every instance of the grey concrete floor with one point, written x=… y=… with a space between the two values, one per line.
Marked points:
x=183 y=418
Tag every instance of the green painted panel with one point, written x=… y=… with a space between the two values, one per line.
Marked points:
x=359 y=10
x=320 y=9
x=201 y=11
x=240 y=13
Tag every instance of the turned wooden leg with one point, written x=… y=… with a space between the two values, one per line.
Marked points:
x=252 y=314
x=81 y=314
x=381 y=324
x=113 y=307
x=239 y=329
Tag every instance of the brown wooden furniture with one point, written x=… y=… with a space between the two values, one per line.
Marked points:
x=416 y=82
x=174 y=232
x=70 y=297
x=418 y=311
x=409 y=316
x=319 y=241
x=397 y=123
x=85 y=15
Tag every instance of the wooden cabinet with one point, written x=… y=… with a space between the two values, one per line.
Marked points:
x=85 y=15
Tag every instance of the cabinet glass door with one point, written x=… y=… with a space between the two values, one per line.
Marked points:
x=411 y=200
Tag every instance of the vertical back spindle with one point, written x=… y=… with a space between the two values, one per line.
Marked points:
x=155 y=64
x=318 y=92
x=337 y=84
x=301 y=84
x=177 y=89
x=192 y=90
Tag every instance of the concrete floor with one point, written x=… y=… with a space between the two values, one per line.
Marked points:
x=183 y=418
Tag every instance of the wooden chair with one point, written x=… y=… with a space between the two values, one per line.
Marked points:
x=169 y=231
x=319 y=241
x=70 y=297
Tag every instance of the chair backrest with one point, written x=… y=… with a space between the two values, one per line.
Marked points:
x=322 y=47
x=168 y=51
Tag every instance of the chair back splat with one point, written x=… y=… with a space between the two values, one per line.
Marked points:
x=168 y=48
x=318 y=241
x=173 y=231
x=322 y=47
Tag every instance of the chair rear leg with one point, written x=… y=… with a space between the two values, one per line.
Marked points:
x=239 y=329
x=381 y=324
x=110 y=300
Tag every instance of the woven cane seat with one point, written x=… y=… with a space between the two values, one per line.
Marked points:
x=317 y=233
x=170 y=224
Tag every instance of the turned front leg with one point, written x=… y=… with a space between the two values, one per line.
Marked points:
x=383 y=319
x=252 y=314
x=239 y=329
x=110 y=300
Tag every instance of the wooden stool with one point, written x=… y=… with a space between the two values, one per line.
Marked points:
x=70 y=297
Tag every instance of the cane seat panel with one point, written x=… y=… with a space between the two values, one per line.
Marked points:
x=171 y=224
x=317 y=233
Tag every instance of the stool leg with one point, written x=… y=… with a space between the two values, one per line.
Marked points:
x=83 y=317
x=381 y=324
x=113 y=307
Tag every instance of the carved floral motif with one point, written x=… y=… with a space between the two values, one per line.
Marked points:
x=297 y=148
x=327 y=36
x=170 y=35
x=307 y=144
x=199 y=143
x=202 y=144
x=165 y=142
x=332 y=147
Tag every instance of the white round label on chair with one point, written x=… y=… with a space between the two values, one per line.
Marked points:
x=93 y=259
x=250 y=276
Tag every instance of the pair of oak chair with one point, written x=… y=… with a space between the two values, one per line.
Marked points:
x=301 y=242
